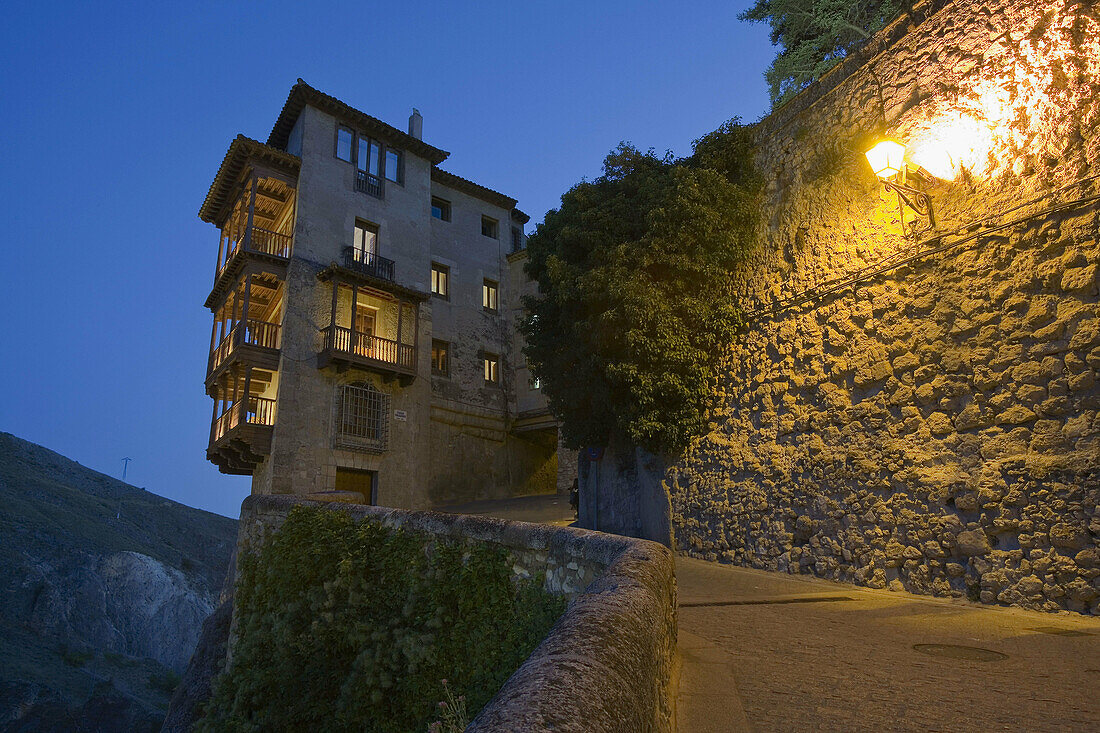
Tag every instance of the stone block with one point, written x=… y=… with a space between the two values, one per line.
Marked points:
x=972 y=543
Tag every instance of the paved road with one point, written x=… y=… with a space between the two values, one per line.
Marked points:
x=771 y=652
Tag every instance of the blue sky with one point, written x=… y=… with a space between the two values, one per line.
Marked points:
x=116 y=116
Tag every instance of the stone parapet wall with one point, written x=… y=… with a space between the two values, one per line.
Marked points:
x=607 y=663
x=921 y=412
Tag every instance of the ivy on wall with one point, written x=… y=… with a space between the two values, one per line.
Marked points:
x=346 y=625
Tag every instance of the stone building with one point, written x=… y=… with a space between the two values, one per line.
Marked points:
x=913 y=404
x=365 y=305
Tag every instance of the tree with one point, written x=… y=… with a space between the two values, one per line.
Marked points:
x=635 y=298
x=814 y=35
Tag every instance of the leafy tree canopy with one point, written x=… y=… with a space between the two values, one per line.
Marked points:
x=813 y=35
x=635 y=296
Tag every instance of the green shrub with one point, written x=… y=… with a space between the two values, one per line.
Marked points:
x=346 y=625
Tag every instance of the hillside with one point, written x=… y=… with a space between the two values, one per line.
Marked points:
x=103 y=591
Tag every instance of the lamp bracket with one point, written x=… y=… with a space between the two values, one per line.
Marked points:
x=917 y=200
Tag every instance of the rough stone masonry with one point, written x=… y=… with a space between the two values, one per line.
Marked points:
x=920 y=412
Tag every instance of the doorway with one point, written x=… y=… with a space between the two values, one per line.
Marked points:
x=362 y=482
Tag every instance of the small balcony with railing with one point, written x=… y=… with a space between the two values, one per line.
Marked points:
x=243 y=419
x=370 y=329
x=257 y=234
x=247 y=328
x=369 y=184
x=368 y=263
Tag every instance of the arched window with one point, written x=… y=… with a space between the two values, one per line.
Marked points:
x=362 y=418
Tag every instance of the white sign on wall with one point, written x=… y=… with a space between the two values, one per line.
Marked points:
x=400 y=415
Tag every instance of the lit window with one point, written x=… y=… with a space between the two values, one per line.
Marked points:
x=441 y=209
x=440 y=358
x=365 y=243
x=489 y=227
x=343 y=143
x=440 y=276
x=489 y=295
x=491 y=363
x=395 y=166
x=362 y=413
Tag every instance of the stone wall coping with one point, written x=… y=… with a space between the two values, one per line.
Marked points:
x=606 y=664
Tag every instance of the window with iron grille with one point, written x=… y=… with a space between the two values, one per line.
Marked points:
x=362 y=418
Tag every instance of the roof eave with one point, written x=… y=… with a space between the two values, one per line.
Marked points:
x=302 y=94
x=240 y=152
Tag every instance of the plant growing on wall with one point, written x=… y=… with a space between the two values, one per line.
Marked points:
x=635 y=300
x=345 y=625
x=814 y=36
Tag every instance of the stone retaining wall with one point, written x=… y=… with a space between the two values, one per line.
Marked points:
x=920 y=412
x=607 y=663
x=917 y=412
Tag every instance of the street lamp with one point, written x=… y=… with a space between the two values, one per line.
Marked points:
x=887 y=160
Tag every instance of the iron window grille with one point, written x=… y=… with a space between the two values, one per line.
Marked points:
x=362 y=418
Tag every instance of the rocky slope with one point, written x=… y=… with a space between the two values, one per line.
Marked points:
x=103 y=591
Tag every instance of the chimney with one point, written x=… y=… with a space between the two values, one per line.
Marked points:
x=416 y=124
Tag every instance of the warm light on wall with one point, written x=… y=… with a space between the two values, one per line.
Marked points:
x=886 y=158
x=951 y=143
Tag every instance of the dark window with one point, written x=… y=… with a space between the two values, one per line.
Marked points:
x=517 y=239
x=362 y=418
x=489 y=292
x=395 y=166
x=489 y=227
x=491 y=366
x=344 y=138
x=441 y=358
x=441 y=209
x=440 y=277
x=367 y=156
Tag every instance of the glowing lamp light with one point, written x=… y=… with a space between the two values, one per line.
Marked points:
x=886 y=158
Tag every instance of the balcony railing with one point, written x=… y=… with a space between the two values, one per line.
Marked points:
x=340 y=339
x=368 y=184
x=256 y=411
x=368 y=263
x=250 y=333
x=258 y=239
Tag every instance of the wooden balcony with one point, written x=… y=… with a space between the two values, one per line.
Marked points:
x=250 y=342
x=268 y=251
x=344 y=348
x=240 y=436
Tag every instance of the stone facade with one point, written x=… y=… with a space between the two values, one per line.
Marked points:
x=920 y=411
x=452 y=436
